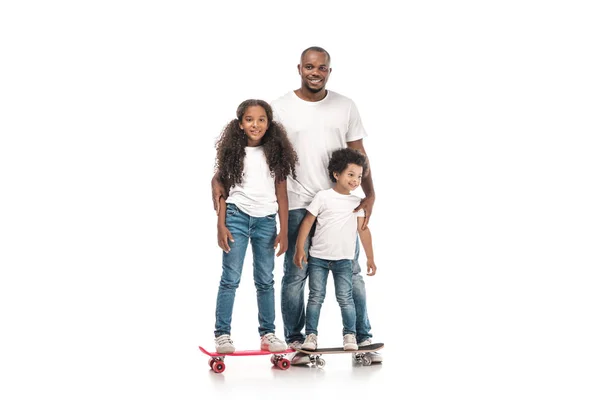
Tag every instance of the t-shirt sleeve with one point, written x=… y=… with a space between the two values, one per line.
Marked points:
x=315 y=205
x=360 y=213
x=356 y=131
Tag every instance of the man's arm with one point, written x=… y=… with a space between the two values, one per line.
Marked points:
x=218 y=192
x=366 y=185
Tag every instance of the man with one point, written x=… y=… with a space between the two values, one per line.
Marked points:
x=318 y=122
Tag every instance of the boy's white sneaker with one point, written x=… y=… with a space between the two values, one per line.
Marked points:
x=310 y=343
x=375 y=356
x=270 y=342
x=350 y=342
x=224 y=344
x=298 y=358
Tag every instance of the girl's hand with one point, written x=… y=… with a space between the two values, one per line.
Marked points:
x=300 y=257
x=371 y=268
x=282 y=241
x=224 y=237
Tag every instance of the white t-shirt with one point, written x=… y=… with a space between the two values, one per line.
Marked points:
x=316 y=129
x=256 y=194
x=335 y=235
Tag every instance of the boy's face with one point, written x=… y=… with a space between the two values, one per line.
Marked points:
x=349 y=179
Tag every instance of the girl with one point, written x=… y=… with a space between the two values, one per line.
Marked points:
x=254 y=158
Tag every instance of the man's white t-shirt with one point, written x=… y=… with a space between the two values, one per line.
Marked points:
x=316 y=129
x=335 y=234
x=256 y=194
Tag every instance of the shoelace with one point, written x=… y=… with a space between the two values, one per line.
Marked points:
x=224 y=340
x=271 y=338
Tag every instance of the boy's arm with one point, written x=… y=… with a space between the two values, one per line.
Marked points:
x=282 y=200
x=223 y=234
x=305 y=226
x=366 y=185
x=365 y=239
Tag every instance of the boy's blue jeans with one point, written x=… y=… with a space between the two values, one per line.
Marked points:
x=318 y=272
x=261 y=232
x=294 y=280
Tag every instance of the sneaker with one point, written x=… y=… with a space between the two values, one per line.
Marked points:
x=350 y=342
x=269 y=342
x=224 y=344
x=310 y=343
x=296 y=345
x=375 y=356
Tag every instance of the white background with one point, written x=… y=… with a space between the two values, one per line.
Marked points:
x=483 y=122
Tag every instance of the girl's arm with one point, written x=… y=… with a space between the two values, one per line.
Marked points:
x=218 y=192
x=305 y=226
x=223 y=234
x=365 y=239
x=282 y=200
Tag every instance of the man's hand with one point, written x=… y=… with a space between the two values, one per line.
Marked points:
x=366 y=204
x=224 y=237
x=218 y=191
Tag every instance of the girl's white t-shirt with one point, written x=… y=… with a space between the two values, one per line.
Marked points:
x=256 y=194
x=335 y=234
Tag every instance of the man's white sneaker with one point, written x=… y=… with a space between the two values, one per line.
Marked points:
x=269 y=342
x=310 y=343
x=375 y=356
x=224 y=344
x=350 y=342
x=298 y=358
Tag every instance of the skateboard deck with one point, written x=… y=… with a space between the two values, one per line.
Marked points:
x=217 y=361
x=358 y=355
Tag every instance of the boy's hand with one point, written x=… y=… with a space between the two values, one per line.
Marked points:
x=224 y=237
x=371 y=268
x=300 y=257
x=282 y=241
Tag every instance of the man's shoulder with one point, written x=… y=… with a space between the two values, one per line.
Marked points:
x=339 y=97
x=283 y=98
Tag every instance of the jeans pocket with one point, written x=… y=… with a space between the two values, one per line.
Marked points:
x=232 y=210
x=271 y=217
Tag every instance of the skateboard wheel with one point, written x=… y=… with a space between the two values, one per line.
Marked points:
x=320 y=362
x=218 y=366
x=284 y=363
x=366 y=360
x=273 y=359
x=211 y=362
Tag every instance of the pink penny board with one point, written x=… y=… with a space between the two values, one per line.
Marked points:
x=217 y=361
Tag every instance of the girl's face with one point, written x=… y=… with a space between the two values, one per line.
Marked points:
x=349 y=179
x=254 y=123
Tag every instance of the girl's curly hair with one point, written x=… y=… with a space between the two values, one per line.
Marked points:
x=342 y=157
x=231 y=148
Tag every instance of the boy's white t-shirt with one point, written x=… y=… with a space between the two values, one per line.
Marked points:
x=316 y=129
x=335 y=234
x=256 y=194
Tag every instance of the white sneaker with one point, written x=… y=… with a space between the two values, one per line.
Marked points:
x=350 y=342
x=269 y=342
x=310 y=343
x=375 y=356
x=296 y=345
x=224 y=344
x=298 y=358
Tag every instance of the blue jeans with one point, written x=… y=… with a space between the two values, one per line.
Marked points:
x=261 y=232
x=294 y=280
x=318 y=272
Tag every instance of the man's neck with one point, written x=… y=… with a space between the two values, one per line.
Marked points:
x=307 y=95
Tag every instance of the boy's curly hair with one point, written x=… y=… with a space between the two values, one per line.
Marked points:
x=231 y=148
x=342 y=157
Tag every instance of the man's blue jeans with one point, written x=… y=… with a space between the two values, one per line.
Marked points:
x=318 y=272
x=261 y=232
x=294 y=280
